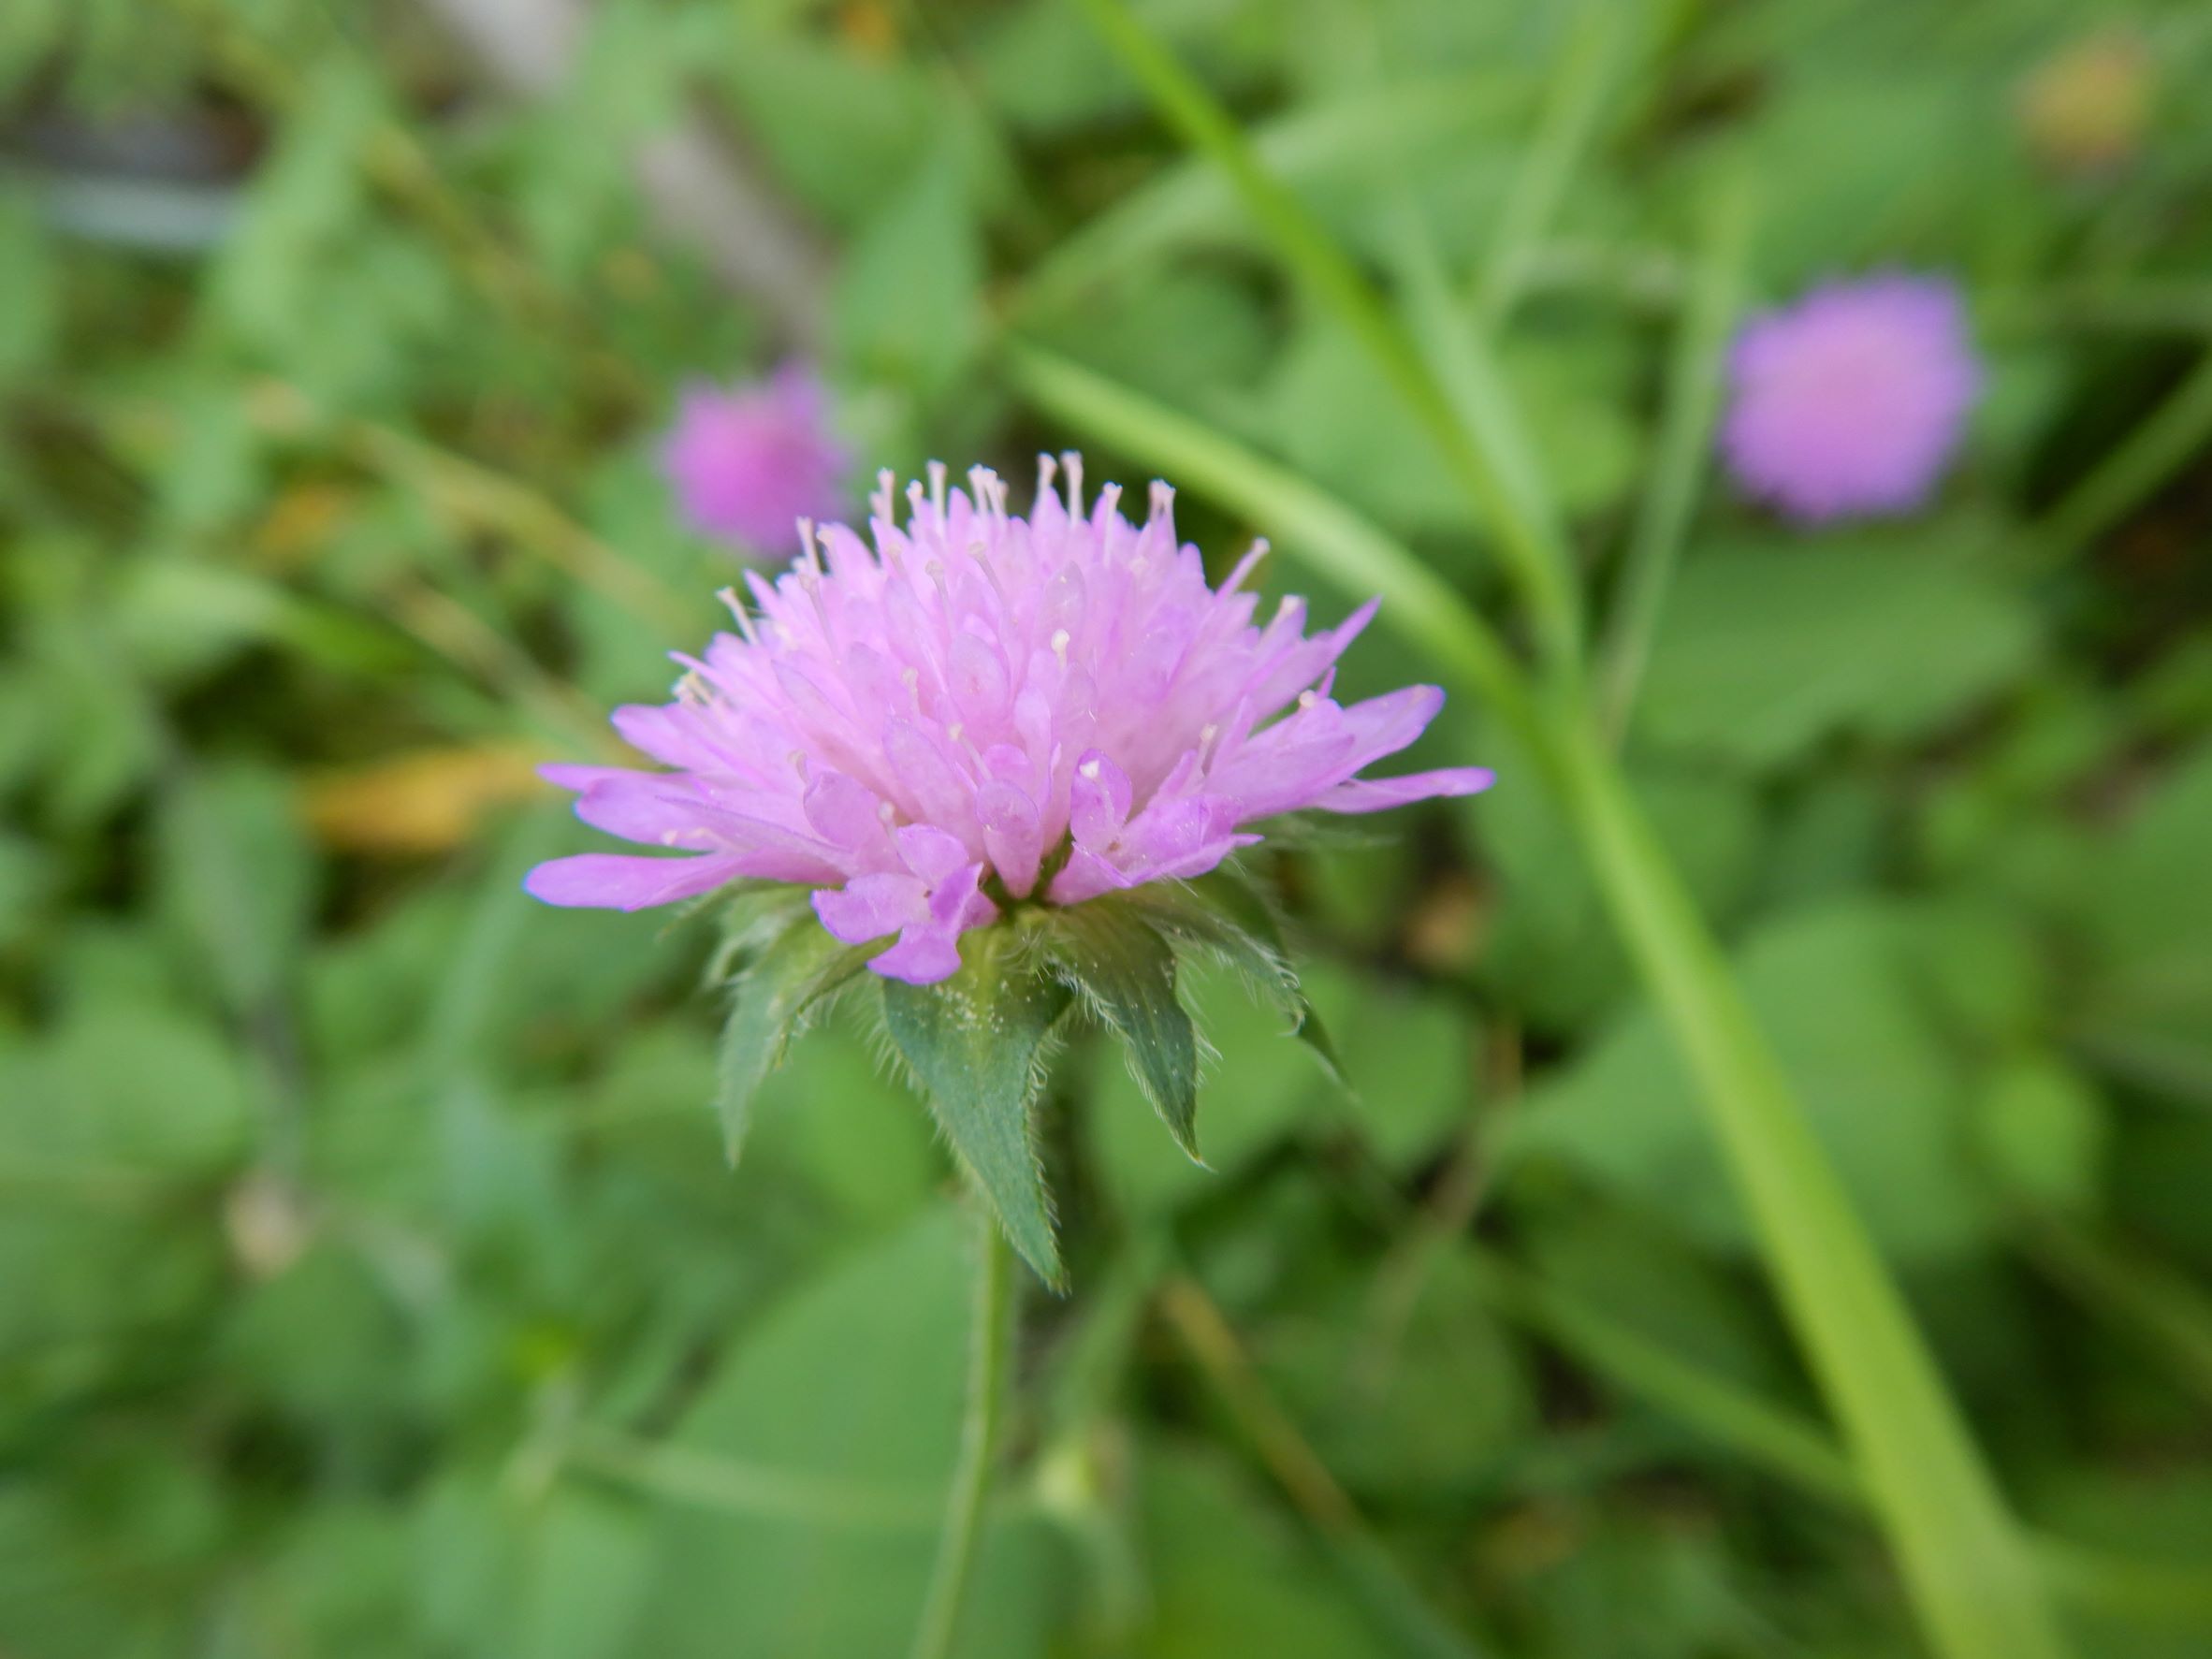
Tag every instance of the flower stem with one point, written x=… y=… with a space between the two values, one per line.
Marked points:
x=1693 y=376
x=2135 y=466
x=990 y=1344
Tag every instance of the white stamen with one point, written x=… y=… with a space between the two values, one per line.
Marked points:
x=1059 y=644
x=1307 y=699
x=735 y=607
x=1253 y=557
x=1072 y=460
x=1090 y=770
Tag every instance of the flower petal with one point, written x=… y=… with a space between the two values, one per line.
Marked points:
x=563 y=775
x=932 y=854
x=1099 y=803
x=870 y=907
x=1014 y=835
x=662 y=810
x=923 y=957
x=958 y=902
x=842 y=811
x=1378 y=795
x=615 y=881
x=1086 y=875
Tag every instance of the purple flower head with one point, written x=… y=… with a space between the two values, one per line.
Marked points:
x=749 y=463
x=1851 y=401
x=983 y=709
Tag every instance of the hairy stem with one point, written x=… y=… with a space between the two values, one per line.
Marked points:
x=991 y=1345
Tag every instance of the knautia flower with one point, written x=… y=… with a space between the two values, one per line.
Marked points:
x=984 y=709
x=748 y=463
x=1019 y=751
x=1851 y=402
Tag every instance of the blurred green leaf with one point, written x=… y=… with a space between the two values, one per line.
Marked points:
x=1341 y=141
x=907 y=306
x=131 y=1082
x=239 y=878
x=30 y=287
x=849 y=170
x=2147 y=912
x=2044 y=1132
x=856 y=1378
x=1408 y=1058
x=1423 y=1408
x=1630 y=1266
x=1190 y=336
x=1259 y=1088
x=833 y=1094
x=1770 y=648
x=586 y=1564
x=1229 y=1578
x=1551 y=952
x=183 y=616
x=26 y=872
x=1876 y=1081
x=324 y=1339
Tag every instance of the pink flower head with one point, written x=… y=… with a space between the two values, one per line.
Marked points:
x=983 y=709
x=1851 y=401
x=749 y=463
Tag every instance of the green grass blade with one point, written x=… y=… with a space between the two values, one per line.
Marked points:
x=2165 y=1311
x=1586 y=74
x=1802 y=1452
x=2150 y=455
x=1963 y=1558
x=1538 y=563
x=1775 y=1439
x=1958 y=1547
x=1355 y=137
x=1469 y=373
x=1693 y=379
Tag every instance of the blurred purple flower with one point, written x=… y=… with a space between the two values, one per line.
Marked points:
x=749 y=463
x=1058 y=707
x=1851 y=401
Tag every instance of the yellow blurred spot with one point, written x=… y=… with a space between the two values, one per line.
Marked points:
x=1531 y=1540
x=866 y=27
x=632 y=275
x=1445 y=932
x=268 y=1223
x=428 y=801
x=2086 y=109
x=300 y=521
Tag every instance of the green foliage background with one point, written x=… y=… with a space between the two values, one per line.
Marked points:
x=371 y=1278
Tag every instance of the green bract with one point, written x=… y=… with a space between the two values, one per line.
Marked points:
x=978 y=1045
